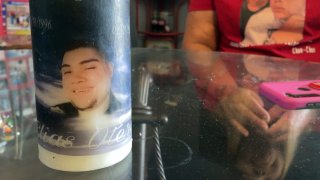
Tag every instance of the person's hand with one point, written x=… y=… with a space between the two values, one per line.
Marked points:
x=278 y=123
x=279 y=131
x=284 y=122
x=244 y=109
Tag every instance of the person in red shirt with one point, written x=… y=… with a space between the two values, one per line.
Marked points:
x=217 y=26
x=214 y=25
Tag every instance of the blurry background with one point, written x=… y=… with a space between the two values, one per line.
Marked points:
x=158 y=23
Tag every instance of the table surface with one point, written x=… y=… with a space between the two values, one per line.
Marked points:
x=196 y=142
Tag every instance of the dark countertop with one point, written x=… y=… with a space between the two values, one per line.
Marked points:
x=195 y=143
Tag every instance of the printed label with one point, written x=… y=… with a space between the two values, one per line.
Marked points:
x=82 y=69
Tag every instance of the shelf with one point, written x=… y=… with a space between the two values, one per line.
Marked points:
x=3 y=76
x=169 y=34
x=5 y=111
x=165 y=11
x=23 y=85
x=27 y=111
x=15 y=42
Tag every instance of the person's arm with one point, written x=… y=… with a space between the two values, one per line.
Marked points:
x=216 y=87
x=200 y=31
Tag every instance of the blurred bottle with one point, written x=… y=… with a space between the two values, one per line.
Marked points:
x=154 y=22
x=162 y=22
x=6 y=127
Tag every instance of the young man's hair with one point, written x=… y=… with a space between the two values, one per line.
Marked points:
x=75 y=44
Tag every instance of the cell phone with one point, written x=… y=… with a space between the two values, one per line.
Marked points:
x=293 y=94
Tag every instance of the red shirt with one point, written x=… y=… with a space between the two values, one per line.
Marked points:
x=228 y=14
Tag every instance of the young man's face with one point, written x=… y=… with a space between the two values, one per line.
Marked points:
x=86 y=78
x=255 y=5
x=283 y=9
x=258 y=2
x=279 y=10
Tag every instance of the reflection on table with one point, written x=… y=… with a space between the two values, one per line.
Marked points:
x=190 y=122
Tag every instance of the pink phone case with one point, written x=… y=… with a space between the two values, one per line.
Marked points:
x=293 y=94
